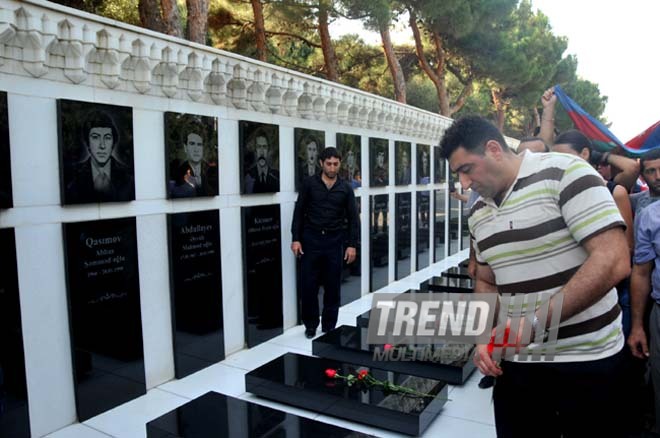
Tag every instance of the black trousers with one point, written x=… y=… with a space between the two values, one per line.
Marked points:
x=578 y=399
x=321 y=265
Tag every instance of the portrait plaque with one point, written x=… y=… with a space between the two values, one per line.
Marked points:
x=439 y=170
x=309 y=144
x=378 y=161
x=402 y=162
x=191 y=148
x=403 y=234
x=96 y=152
x=423 y=164
x=260 y=157
x=350 y=148
x=423 y=228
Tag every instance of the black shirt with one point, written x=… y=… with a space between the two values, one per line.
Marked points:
x=323 y=209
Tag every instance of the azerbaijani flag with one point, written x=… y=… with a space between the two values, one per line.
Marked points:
x=600 y=136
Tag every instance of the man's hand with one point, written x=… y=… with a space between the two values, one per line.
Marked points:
x=296 y=247
x=549 y=98
x=638 y=343
x=484 y=362
x=349 y=255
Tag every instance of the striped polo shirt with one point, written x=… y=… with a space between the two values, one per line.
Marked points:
x=532 y=244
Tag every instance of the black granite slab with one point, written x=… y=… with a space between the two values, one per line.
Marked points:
x=14 y=419
x=363 y=319
x=423 y=229
x=450 y=362
x=439 y=226
x=446 y=284
x=403 y=235
x=215 y=415
x=379 y=162
x=262 y=255
x=196 y=290
x=453 y=216
x=456 y=272
x=6 y=198
x=104 y=313
x=301 y=381
x=379 y=235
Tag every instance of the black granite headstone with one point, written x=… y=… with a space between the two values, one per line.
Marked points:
x=96 y=152
x=308 y=145
x=439 y=226
x=351 y=284
x=350 y=148
x=379 y=162
x=454 y=231
x=465 y=229
x=14 y=421
x=423 y=164
x=449 y=362
x=191 y=149
x=402 y=162
x=215 y=415
x=260 y=157
x=196 y=290
x=105 y=317
x=439 y=170
x=302 y=381
x=6 y=200
x=262 y=256
x=379 y=231
x=423 y=228
x=403 y=235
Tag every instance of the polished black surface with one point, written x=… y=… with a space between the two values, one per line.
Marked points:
x=439 y=169
x=105 y=317
x=453 y=216
x=379 y=233
x=14 y=421
x=446 y=284
x=6 y=198
x=196 y=290
x=439 y=226
x=262 y=273
x=308 y=145
x=456 y=272
x=95 y=136
x=423 y=229
x=379 y=162
x=351 y=278
x=449 y=362
x=362 y=320
x=350 y=148
x=301 y=381
x=215 y=415
x=403 y=235
x=259 y=147
x=465 y=229
x=423 y=164
x=402 y=163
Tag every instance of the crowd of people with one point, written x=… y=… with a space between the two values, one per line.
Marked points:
x=560 y=218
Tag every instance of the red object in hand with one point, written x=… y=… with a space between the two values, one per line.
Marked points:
x=492 y=344
x=331 y=373
x=362 y=374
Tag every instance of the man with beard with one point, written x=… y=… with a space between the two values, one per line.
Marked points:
x=101 y=177
x=649 y=166
x=325 y=204
x=261 y=177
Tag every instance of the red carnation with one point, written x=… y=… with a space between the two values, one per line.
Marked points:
x=362 y=374
x=388 y=347
x=331 y=373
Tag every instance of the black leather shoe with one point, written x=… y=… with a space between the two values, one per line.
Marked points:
x=310 y=333
x=487 y=382
x=326 y=330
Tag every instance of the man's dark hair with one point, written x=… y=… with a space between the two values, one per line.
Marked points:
x=530 y=139
x=575 y=139
x=653 y=154
x=471 y=133
x=329 y=152
x=98 y=119
x=194 y=126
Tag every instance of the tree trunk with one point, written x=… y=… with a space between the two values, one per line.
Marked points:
x=394 y=66
x=259 y=29
x=150 y=15
x=500 y=107
x=198 y=11
x=329 y=55
x=171 y=18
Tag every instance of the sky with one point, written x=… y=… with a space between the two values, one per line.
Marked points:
x=613 y=41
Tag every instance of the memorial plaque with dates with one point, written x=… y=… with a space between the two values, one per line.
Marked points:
x=439 y=227
x=379 y=230
x=453 y=216
x=14 y=421
x=6 y=200
x=262 y=246
x=196 y=288
x=104 y=303
x=403 y=235
x=423 y=229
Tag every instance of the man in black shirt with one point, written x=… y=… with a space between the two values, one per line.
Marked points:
x=325 y=204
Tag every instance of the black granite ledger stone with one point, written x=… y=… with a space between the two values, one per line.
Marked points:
x=446 y=284
x=423 y=229
x=379 y=234
x=196 y=290
x=403 y=235
x=300 y=381
x=104 y=313
x=14 y=419
x=456 y=272
x=262 y=255
x=214 y=415
x=450 y=362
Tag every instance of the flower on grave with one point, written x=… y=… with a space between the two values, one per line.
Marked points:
x=387 y=347
x=363 y=377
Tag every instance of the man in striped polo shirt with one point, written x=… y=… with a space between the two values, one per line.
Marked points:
x=546 y=223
